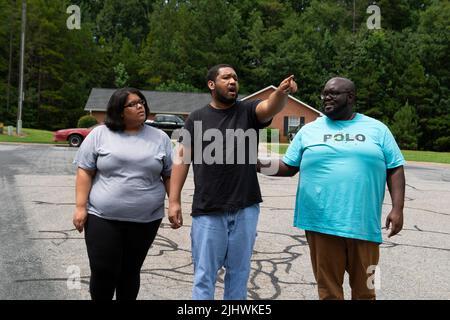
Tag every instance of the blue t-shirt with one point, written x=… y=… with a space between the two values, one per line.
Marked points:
x=342 y=175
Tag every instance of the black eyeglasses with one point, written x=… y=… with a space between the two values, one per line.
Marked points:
x=135 y=104
x=332 y=94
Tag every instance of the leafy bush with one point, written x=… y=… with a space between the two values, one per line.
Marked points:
x=405 y=127
x=442 y=144
x=86 y=121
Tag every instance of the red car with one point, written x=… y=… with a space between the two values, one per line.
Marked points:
x=75 y=136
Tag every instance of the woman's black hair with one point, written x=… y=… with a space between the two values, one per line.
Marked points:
x=116 y=105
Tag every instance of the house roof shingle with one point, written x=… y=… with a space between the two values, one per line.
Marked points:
x=160 y=102
x=168 y=102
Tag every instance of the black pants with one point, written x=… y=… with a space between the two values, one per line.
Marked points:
x=116 y=251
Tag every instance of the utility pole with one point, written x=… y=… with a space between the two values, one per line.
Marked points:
x=10 y=59
x=354 y=13
x=22 y=57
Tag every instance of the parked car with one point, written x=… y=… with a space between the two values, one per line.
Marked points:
x=74 y=136
x=169 y=123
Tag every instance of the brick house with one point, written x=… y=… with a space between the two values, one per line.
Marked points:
x=183 y=103
x=296 y=112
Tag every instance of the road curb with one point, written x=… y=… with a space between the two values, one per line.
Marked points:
x=433 y=164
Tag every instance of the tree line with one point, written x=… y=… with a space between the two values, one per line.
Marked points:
x=401 y=71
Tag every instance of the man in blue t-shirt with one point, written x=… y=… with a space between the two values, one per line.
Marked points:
x=345 y=159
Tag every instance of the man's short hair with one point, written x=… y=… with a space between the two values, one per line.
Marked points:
x=214 y=71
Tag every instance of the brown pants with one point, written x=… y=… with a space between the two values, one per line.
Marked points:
x=331 y=256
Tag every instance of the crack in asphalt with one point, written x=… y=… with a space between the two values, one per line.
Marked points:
x=264 y=264
x=164 y=245
x=273 y=264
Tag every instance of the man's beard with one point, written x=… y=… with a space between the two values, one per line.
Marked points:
x=225 y=100
x=331 y=114
x=337 y=111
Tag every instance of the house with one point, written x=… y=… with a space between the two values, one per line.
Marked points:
x=180 y=103
x=295 y=113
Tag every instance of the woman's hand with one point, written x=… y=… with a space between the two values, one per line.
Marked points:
x=79 y=218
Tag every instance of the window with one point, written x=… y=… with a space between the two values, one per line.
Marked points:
x=292 y=124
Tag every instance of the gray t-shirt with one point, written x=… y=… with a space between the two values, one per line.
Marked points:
x=127 y=185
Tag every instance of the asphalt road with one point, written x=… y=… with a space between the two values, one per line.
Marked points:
x=43 y=257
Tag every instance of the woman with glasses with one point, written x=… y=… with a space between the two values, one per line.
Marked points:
x=123 y=175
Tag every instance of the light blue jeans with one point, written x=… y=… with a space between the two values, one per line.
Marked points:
x=219 y=240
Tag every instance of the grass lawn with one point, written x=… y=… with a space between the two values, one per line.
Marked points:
x=29 y=136
x=410 y=155
x=282 y=147
x=426 y=156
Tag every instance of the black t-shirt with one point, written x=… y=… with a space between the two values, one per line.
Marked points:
x=224 y=149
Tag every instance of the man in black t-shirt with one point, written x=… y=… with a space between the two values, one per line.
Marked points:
x=221 y=141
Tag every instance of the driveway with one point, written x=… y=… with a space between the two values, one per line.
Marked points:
x=43 y=257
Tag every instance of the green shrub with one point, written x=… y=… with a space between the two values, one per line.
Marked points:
x=405 y=127
x=442 y=144
x=86 y=121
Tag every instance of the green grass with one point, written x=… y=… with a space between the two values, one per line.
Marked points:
x=426 y=156
x=28 y=136
x=282 y=147
x=410 y=155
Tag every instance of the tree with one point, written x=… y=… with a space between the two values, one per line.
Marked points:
x=128 y=56
x=437 y=131
x=8 y=64
x=169 y=47
x=405 y=127
x=121 y=76
x=119 y=19
x=174 y=86
x=61 y=66
x=170 y=44
x=396 y=15
x=433 y=42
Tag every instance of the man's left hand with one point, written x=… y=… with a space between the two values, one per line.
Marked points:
x=268 y=108
x=288 y=85
x=395 y=221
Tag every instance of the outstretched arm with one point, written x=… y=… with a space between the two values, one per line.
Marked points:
x=284 y=170
x=396 y=184
x=268 y=108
